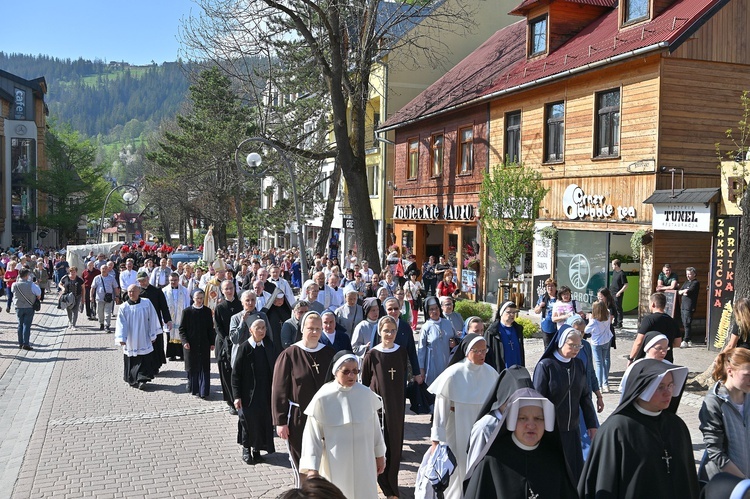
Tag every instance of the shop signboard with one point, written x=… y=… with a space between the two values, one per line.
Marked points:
x=682 y=217
x=724 y=249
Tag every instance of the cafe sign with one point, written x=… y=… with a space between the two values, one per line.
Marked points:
x=578 y=205
x=682 y=217
x=458 y=212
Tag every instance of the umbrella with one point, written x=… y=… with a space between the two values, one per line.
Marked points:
x=209 y=250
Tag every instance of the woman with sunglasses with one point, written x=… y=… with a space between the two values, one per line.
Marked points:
x=561 y=378
x=343 y=441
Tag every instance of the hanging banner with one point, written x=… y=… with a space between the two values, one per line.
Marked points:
x=724 y=251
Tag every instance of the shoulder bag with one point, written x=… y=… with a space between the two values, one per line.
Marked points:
x=36 y=304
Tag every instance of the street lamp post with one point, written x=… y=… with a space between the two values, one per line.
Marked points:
x=130 y=197
x=253 y=161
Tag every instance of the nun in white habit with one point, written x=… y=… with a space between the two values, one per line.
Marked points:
x=460 y=392
x=343 y=440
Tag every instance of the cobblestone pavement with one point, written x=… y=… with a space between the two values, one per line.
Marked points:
x=72 y=428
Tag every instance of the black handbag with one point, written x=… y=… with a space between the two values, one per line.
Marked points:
x=108 y=298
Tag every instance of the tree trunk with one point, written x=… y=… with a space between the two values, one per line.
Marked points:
x=238 y=218
x=166 y=229
x=220 y=235
x=333 y=192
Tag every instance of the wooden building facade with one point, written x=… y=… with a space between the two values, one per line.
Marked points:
x=611 y=104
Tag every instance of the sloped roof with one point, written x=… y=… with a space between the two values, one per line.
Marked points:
x=527 y=4
x=500 y=66
x=684 y=196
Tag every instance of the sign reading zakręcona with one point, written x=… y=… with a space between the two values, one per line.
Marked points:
x=577 y=205
x=458 y=212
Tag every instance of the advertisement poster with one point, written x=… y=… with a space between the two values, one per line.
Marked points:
x=724 y=249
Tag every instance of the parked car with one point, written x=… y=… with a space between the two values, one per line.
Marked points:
x=185 y=257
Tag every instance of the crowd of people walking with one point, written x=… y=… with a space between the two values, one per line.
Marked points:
x=327 y=370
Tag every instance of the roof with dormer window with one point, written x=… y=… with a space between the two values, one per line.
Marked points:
x=500 y=66
x=527 y=5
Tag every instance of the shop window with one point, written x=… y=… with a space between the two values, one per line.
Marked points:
x=513 y=138
x=465 y=150
x=554 y=132
x=607 y=123
x=372 y=180
x=582 y=263
x=538 y=36
x=412 y=166
x=436 y=154
x=407 y=243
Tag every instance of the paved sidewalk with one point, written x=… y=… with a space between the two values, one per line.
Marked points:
x=72 y=428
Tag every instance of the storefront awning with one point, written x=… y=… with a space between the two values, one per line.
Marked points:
x=685 y=196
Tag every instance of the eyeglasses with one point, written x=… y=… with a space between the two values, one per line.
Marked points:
x=479 y=352
x=347 y=372
x=669 y=388
x=574 y=346
x=511 y=312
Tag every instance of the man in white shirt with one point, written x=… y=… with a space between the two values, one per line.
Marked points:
x=366 y=272
x=128 y=277
x=104 y=289
x=261 y=295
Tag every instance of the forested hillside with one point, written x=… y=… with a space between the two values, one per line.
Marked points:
x=113 y=101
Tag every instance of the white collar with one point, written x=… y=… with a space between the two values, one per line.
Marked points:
x=645 y=411
x=253 y=343
x=520 y=445
x=301 y=345
x=380 y=348
x=561 y=358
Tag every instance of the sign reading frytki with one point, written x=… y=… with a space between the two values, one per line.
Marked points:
x=687 y=217
x=577 y=204
x=434 y=212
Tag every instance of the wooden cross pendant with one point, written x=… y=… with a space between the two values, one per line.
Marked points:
x=316 y=366
x=392 y=371
x=666 y=459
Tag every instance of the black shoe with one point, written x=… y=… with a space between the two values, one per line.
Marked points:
x=101 y=327
x=27 y=347
x=172 y=359
x=246 y=456
x=257 y=458
x=142 y=385
x=92 y=318
x=109 y=330
x=232 y=411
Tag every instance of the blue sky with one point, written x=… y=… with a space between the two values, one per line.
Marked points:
x=136 y=31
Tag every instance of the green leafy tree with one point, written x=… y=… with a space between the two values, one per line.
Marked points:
x=325 y=50
x=509 y=205
x=192 y=168
x=73 y=182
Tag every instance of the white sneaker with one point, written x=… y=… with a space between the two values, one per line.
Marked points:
x=690 y=344
x=605 y=389
x=684 y=344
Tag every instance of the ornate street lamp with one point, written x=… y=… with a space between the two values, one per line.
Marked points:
x=129 y=196
x=253 y=170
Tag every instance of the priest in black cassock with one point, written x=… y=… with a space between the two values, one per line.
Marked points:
x=223 y=313
x=197 y=336
x=159 y=302
x=384 y=370
x=643 y=449
x=251 y=384
x=526 y=459
x=299 y=373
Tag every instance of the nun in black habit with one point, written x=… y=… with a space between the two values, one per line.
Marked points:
x=561 y=377
x=278 y=311
x=490 y=420
x=526 y=459
x=643 y=449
